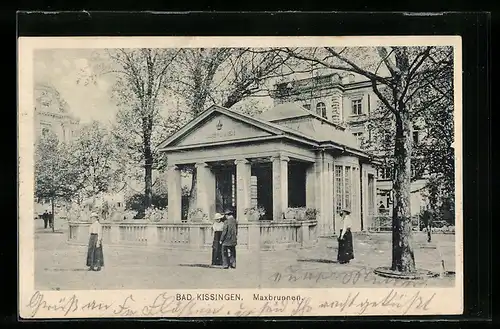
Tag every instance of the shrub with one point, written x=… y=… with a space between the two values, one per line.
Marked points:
x=137 y=203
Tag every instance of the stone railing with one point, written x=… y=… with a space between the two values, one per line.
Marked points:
x=264 y=235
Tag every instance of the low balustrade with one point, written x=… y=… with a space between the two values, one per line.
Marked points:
x=263 y=235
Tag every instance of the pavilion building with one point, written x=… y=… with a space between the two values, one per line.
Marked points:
x=287 y=157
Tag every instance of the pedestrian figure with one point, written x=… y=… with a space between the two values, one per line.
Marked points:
x=45 y=217
x=216 y=245
x=346 y=250
x=51 y=219
x=228 y=240
x=95 y=257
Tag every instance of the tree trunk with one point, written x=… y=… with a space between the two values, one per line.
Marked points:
x=148 y=163
x=403 y=259
x=51 y=220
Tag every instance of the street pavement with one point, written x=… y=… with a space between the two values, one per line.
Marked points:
x=60 y=266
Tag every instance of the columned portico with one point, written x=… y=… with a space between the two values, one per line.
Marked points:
x=280 y=185
x=174 y=193
x=284 y=168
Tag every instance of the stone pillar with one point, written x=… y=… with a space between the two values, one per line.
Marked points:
x=310 y=187
x=114 y=233
x=254 y=236
x=243 y=193
x=203 y=174
x=336 y=114
x=174 y=194
x=151 y=235
x=280 y=186
x=195 y=238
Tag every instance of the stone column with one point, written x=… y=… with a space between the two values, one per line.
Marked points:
x=243 y=197
x=174 y=193
x=310 y=186
x=280 y=186
x=203 y=174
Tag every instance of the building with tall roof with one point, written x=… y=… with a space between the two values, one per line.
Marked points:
x=52 y=113
x=349 y=101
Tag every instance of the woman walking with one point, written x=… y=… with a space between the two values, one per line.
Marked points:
x=216 y=246
x=346 y=250
x=95 y=257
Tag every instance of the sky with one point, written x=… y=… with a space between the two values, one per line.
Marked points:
x=61 y=67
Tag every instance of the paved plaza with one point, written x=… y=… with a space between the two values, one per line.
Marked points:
x=59 y=266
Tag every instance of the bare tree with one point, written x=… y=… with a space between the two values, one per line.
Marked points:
x=415 y=79
x=224 y=76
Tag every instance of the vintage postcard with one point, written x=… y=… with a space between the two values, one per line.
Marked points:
x=173 y=177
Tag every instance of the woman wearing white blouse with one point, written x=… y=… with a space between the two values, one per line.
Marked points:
x=346 y=250
x=216 y=246
x=95 y=257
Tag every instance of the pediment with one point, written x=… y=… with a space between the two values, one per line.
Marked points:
x=219 y=127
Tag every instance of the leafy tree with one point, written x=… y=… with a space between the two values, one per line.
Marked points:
x=94 y=157
x=55 y=176
x=140 y=77
x=415 y=80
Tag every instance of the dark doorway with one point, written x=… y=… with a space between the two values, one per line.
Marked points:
x=225 y=188
x=263 y=173
x=297 y=184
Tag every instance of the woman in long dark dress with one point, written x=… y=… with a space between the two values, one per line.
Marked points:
x=216 y=246
x=346 y=249
x=95 y=257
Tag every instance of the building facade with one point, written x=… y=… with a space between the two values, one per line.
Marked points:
x=52 y=114
x=287 y=157
x=349 y=100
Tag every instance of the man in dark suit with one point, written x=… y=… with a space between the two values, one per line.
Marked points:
x=45 y=217
x=229 y=240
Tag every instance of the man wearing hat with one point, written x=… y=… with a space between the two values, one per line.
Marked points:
x=228 y=240
x=95 y=257
x=346 y=250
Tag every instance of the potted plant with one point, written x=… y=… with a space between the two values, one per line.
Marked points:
x=311 y=214
x=197 y=215
x=254 y=213
x=290 y=213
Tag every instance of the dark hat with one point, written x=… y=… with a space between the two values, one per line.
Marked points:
x=346 y=210
x=228 y=212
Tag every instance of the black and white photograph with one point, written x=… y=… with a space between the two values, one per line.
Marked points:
x=212 y=171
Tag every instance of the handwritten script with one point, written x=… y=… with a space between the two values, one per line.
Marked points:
x=167 y=305
x=361 y=277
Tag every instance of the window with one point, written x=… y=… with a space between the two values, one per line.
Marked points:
x=415 y=136
x=321 y=109
x=360 y=137
x=307 y=106
x=343 y=187
x=357 y=108
x=385 y=173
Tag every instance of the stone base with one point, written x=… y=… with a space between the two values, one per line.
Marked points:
x=418 y=275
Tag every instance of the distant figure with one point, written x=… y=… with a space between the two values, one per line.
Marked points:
x=216 y=246
x=51 y=219
x=228 y=240
x=45 y=217
x=346 y=249
x=95 y=256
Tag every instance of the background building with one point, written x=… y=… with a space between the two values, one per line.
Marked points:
x=349 y=100
x=52 y=113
